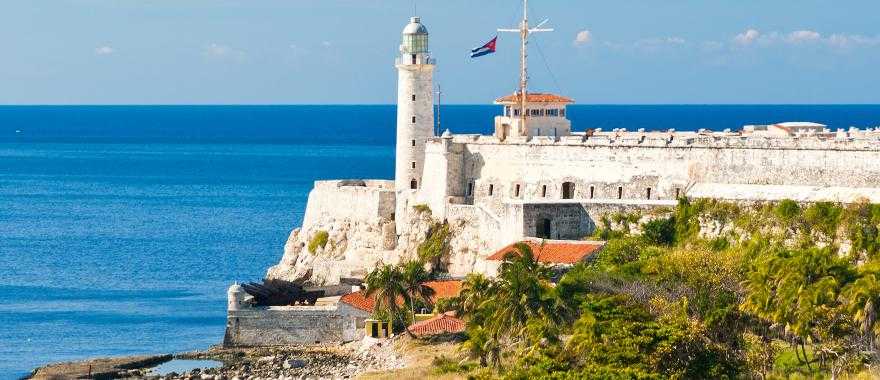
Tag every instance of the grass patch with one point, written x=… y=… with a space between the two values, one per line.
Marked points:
x=319 y=240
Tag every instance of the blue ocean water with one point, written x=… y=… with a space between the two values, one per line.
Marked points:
x=121 y=227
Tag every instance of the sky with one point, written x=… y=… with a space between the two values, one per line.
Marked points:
x=342 y=51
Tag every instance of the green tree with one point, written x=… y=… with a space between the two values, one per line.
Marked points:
x=862 y=299
x=414 y=277
x=659 y=231
x=475 y=289
x=387 y=284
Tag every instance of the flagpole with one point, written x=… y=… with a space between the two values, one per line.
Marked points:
x=524 y=32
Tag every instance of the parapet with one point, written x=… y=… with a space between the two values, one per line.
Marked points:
x=851 y=139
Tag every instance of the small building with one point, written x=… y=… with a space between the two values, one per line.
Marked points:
x=787 y=129
x=442 y=289
x=440 y=324
x=545 y=115
x=561 y=255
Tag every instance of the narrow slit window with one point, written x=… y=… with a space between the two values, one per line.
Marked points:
x=414 y=119
x=413 y=164
x=414 y=143
x=592 y=192
x=516 y=191
x=544 y=191
x=620 y=192
x=648 y=193
x=470 y=191
x=414 y=97
x=491 y=189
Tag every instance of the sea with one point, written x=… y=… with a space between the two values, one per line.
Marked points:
x=121 y=227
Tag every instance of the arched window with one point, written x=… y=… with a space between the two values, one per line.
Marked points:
x=414 y=184
x=568 y=190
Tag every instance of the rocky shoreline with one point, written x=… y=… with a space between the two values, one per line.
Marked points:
x=293 y=362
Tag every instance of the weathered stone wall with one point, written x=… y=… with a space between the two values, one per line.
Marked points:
x=629 y=167
x=360 y=223
x=291 y=325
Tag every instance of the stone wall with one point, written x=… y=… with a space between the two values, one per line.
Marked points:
x=359 y=219
x=293 y=325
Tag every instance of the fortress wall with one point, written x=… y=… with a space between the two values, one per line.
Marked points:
x=293 y=325
x=664 y=170
x=337 y=200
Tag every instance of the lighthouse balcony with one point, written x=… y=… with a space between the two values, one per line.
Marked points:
x=417 y=59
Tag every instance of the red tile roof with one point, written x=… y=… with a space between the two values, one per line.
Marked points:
x=554 y=251
x=442 y=289
x=534 y=97
x=445 y=323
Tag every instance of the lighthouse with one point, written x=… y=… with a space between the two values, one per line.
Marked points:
x=415 y=105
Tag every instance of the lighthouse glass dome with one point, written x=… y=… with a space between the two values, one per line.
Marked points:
x=415 y=37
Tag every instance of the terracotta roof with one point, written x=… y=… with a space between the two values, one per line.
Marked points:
x=554 y=251
x=442 y=289
x=534 y=97
x=445 y=323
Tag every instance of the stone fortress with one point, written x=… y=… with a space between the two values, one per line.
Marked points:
x=537 y=177
x=534 y=177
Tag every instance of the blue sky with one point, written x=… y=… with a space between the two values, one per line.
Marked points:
x=342 y=51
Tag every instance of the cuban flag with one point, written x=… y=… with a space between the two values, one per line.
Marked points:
x=488 y=48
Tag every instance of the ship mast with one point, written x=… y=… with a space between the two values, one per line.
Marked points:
x=524 y=32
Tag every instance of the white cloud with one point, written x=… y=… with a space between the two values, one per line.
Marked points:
x=583 y=37
x=801 y=36
x=104 y=50
x=747 y=37
x=220 y=51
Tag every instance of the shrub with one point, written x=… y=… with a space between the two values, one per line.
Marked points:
x=319 y=240
x=659 y=231
x=422 y=209
x=787 y=210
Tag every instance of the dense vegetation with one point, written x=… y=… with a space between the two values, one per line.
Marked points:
x=707 y=290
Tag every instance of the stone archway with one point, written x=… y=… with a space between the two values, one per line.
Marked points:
x=543 y=228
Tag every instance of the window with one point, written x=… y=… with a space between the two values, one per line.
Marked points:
x=413 y=184
x=414 y=119
x=413 y=59
x=491 y=189
x=414 y=97
x=516 y=191
x=470 y=191
x=592 y=192
x=414 y=143
x=648 y=193
x=413 y=164
x=562 y=112
x=544 y=191
x=619 y=192
x=568 y=190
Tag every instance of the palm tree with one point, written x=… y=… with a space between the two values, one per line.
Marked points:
x=475 y=289
x=386 y=283
x=862 y=300
x=522 y=292
x=414 y=277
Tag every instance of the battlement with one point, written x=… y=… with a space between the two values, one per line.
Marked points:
x=851 y=139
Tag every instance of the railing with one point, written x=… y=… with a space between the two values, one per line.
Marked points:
x=419 y=61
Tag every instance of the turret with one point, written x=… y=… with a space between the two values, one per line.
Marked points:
x=415 y=105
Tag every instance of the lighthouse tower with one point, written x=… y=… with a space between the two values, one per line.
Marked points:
x=415 y=105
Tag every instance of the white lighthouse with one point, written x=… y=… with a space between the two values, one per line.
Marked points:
x=415 y=105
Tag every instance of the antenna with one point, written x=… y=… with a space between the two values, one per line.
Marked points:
x=524 y=32
x=439 y=100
